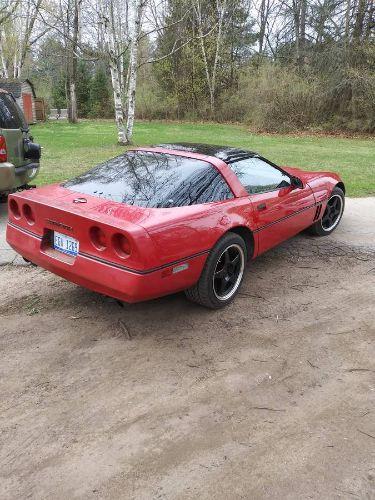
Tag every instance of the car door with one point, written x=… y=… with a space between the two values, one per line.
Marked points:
x=280 y=209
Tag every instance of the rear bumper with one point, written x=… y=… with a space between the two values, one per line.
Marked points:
x=28 y=168
x=12 y=177
x=106 y=278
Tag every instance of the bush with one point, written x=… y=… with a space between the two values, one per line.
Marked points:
x=152 y=106
x=336 y=94
x=275 y=98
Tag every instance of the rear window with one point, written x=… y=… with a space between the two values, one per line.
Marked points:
x=154 y=180
x=11 y=115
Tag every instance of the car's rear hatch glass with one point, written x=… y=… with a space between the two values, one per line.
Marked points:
x=153 y=180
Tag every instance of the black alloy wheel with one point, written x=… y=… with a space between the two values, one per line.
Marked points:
x=228 y=272
x=332 y=214
x=222 y=274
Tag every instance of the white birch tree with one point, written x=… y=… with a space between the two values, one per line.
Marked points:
x=7 y=9
x=73 y=111
x=122 y=37
x=108 y=27
x=17 y=34
x=4 y=67
x=211 y=68
x=137 y=7
x=24 y=24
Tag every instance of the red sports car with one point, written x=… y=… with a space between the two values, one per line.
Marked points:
x=157 y=220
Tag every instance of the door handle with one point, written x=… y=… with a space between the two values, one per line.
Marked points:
x=261 y=206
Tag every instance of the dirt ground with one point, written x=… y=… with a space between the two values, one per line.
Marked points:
x=273 y=397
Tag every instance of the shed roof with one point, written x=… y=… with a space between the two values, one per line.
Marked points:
x=14 y=86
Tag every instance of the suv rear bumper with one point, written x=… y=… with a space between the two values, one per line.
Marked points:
x=107 y=278
x=23 y=169
x=12 y=177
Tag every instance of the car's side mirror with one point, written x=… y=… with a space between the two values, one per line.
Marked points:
x=296 y=182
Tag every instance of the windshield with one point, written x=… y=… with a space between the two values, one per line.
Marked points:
x=11 y=116
x=154 y=180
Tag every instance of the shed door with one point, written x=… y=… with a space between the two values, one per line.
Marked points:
x=28 y=107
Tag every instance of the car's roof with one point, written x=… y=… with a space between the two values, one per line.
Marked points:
x=225 y=153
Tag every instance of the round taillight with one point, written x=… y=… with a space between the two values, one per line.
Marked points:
x=98 y=238
x=121 y=245
x=28 y=214
x=14 y=209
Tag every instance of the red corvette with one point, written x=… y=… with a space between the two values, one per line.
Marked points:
x=157 y=220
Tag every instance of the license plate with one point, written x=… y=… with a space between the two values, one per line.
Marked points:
x=65 y=244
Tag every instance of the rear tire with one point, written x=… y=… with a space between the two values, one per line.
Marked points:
x=332 y=215
x=222 y=274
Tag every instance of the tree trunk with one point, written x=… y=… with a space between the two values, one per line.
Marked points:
x=73 y=113
x=211 y=76
x=370 y=26
x=347 y=22
x=358 y=30
x=15 y=65
x=262 y=26
x=299 y=15
x=17 y=50
x=4 y=68
x=117 y=98
x=25 y=44
x=23 y=26
x=302 y=27
x=137 y=9
x=221 y=12
x=117 y=88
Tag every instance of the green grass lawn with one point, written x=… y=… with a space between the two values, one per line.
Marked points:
x=71 y=149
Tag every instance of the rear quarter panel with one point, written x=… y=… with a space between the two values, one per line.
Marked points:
x=186 y=231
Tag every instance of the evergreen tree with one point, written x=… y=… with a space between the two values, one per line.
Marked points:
x=59 y=93
x=83 y=89
x=101 y=105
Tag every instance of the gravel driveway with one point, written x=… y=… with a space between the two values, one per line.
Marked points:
x=273 y=397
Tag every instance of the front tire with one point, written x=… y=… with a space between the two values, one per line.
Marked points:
x=332 y=214
x=222 y=274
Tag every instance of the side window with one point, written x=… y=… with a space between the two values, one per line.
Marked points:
x=257 y=176
x=216 y=190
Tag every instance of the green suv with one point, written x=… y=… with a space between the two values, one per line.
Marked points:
x=19 y=155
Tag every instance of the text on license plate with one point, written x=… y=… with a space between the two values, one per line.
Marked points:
x=65 y=244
